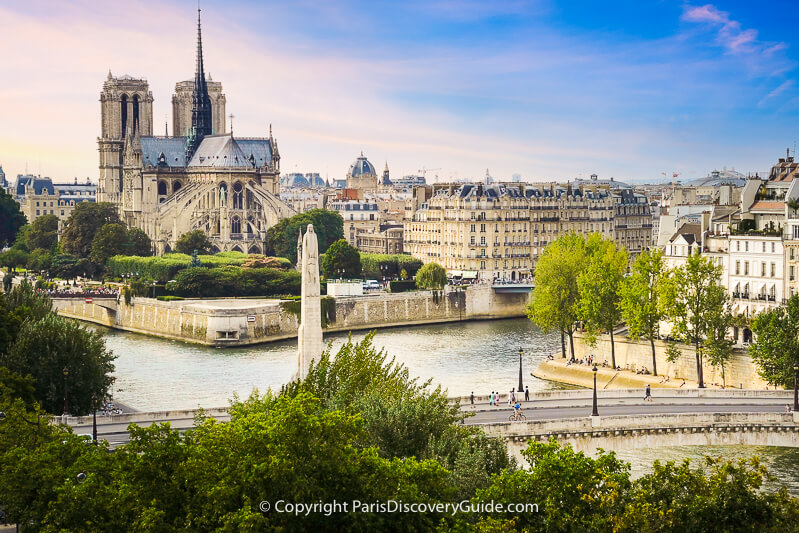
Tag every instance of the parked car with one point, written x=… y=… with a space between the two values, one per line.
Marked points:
x=371 y=285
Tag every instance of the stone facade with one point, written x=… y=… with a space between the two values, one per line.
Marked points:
x=499 y=231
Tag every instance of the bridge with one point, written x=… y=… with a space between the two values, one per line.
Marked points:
x=87 y=305
x=511 y=287
x=674 y=417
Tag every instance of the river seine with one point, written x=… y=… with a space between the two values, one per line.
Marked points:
x=155 y=374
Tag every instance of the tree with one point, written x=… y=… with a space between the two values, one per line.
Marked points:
x=693 y=299
x=599 y=285
x=281 y=239
x=110 y=240
x=640 y=302
x=193 y=240
x=431 y=276
x=341 y=260
x=776 y=346
x=11 y=218
x=45 y=348
x=138 y=243
x=83 y=224
x=556 y=294
x=42 y=233
x=13 y=259
x=39 y=260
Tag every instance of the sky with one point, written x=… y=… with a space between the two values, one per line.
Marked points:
x=544 y=89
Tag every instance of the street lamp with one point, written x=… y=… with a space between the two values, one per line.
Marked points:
x=94 y=418
x=596 y=407
x=65 y=372
x=796 y=387
x=521 y=385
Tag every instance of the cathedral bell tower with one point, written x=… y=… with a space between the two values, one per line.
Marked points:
x=126 y=107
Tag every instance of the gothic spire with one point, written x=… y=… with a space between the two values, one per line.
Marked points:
x=201 y=102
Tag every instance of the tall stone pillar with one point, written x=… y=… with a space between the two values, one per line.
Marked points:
x=309 y=334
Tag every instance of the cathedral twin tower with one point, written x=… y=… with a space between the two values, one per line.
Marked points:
x=228 y=187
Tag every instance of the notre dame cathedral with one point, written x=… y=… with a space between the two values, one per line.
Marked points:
x=201 y=177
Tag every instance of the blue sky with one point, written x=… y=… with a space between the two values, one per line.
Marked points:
x=549 y=90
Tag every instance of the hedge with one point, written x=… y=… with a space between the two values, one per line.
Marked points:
x=231 y=281
x=402 y=285
x=371 y=263
x=166 y=267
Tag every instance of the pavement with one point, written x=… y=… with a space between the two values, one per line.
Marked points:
x=116 y=432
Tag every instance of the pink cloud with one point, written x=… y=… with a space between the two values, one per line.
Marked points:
x=730 y=35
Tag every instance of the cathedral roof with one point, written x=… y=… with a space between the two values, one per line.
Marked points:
x=220 y=151
x=172 y=148
x=259 y=149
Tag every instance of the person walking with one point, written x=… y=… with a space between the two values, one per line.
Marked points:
x=491 y=398
x=526 y=393
x=648 y=394
x=512 y=397
x=471 y=398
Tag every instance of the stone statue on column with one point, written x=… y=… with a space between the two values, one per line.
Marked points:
x=309 y=334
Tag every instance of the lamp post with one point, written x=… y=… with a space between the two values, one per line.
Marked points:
x=796 y=387
x=65 y=372
x=94 y=418
x=521 y=385
x=596 y=407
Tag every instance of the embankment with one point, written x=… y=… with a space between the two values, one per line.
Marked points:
x=234 y=322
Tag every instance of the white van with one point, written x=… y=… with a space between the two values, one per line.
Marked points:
x=371 y=285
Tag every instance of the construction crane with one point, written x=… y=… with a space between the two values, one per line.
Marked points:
x=423 y=172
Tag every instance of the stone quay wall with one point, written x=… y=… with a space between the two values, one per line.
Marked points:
x=235 y=322
x=739 y=372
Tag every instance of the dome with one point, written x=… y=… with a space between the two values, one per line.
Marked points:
x=362 y=167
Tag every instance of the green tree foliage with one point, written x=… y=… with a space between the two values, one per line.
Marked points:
x=402 y=417
x=196 y=240
x=83 y=224
x=389 y=265
x=431 y=276
x=109 y=240
x=44 y=348
x=17 y=306
x=776 y=346
x=281 y=239
x=599 y=286
x=43 y=233
x=11 y=218
x=138 y=243
x=694 y=300
x=39 y=260
x=201 y=282
x=640 y=302
x=341 y=260
x=555 y=300
x=14 y=258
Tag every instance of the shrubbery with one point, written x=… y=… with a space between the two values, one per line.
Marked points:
x=166 y=267
x=402 y=285
x=394 y=263
x=201 y=282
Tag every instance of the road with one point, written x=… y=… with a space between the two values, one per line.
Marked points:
x=116 y=432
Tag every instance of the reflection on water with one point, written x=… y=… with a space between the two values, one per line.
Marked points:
x=156 y=374
x=782 y=463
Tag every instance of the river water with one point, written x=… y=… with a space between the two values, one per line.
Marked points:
x=155 y=374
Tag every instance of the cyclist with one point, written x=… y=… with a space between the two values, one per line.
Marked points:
x=517 y=407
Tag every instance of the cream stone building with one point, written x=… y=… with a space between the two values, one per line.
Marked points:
x=38 y=196
x=498 y=231
x=201 y=178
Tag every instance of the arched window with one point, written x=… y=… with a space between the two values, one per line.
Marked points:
x=161 y=188
x=176 y=186
x=238 y=195
x=135 y=112
x=235 y=225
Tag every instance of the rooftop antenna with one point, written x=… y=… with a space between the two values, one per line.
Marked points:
x=166 y=126
x=231 y=117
